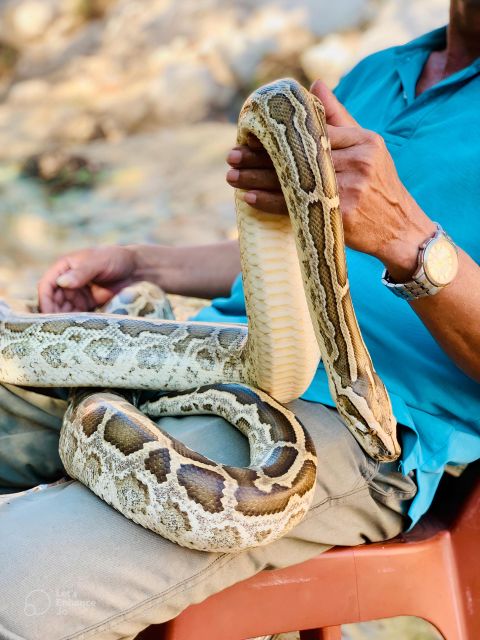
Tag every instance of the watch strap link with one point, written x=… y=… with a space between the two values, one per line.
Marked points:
x=409 y=290
x=420 y=286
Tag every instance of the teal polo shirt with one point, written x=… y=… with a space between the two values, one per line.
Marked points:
x=434 y=140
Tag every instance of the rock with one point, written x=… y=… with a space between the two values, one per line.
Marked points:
x=244 y=53
x=186 y=92
x=162 y=61
x=26 y=23
x=124 y=117
x=329 y=59
x=398 y=22
x=394 y=23
x=59 y=54
x=59 y=170
x=270 y=32
x=91 y=9
x=29 y=91
x=81 y=127
x=139 y=65
x=30 y=19
x=322 y=17
x=96 y=78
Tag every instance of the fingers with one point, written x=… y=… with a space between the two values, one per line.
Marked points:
x=335 y=112
x=100 y=295
x=67 y=300
x=254 y=142
x=261 y=189
x=243 y=157
x=57 y=300
x=253 y=172
x=49 y=296
x=68 y=273
x=256 y=179
x=267 y=201
x=77 y=275
x=86 y=279
x=344 y=137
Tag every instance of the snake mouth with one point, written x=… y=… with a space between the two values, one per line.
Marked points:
x=386 y=446
x=379 y=443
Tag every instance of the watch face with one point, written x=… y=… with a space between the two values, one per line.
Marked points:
x=440 y=261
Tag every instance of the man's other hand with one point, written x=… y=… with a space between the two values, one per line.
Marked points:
x=86 y=279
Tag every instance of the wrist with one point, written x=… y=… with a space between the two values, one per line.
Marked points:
x=151 y=263
x=400 y=255
x=202 y=271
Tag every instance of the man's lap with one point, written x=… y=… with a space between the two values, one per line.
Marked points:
x=29 y=429
x=72 y=567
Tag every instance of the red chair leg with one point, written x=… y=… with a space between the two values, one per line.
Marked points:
x=327 y=633
x=153 y=632
x=465 y=540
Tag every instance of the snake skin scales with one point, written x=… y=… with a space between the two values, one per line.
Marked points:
x=298 y=306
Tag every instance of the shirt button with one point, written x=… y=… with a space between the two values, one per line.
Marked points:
x=405 y=95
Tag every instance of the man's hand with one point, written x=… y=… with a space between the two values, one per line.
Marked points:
x=85 y=279
x=379 y=215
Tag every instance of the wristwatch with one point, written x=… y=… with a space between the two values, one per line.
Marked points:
x=437 y=267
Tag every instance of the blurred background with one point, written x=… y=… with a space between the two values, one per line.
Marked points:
x=116 y=117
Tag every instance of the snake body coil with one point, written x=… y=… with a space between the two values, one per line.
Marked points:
x=298 y=304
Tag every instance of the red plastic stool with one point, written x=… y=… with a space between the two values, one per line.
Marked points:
x=432 y=573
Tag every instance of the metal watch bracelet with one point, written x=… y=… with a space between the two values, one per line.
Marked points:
x=420 y=286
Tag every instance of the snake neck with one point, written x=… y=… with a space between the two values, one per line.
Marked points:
x=281 y=354
x=290 y=123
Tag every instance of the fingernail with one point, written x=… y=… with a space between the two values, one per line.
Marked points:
x=232 y=175
x=249 y=197
x=235 y=156
x=65 y=280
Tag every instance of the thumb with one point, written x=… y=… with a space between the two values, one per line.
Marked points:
x=335 y=112
x=76 y=277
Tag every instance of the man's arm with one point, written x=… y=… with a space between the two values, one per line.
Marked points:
x=204 y=271
x=452 y=316
x=85 y=279
x=380 y=218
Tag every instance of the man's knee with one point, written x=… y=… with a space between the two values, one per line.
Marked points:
x=343 y=466
x=357 y=499
x=87 y=571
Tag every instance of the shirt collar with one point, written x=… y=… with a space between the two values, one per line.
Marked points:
x=411 y=57
x=431 y=41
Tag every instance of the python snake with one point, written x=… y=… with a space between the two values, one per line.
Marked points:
x=298 y=306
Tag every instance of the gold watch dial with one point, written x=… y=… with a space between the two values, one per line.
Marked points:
x=440 y=261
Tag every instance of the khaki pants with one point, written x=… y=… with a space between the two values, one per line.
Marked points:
x=72 y=567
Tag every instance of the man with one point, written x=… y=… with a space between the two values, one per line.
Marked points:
x=421 y=167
